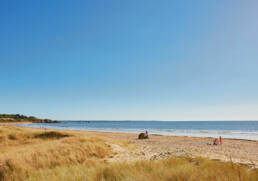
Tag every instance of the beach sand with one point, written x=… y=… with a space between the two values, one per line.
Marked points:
x=161 y=146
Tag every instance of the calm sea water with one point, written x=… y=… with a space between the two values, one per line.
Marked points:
x=226 y=129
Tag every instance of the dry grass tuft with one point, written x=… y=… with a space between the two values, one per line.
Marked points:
x=51 y=135
x=12 y=137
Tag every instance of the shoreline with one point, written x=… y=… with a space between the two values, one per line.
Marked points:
x=157 y=147
x=199 y=134
x=118 y=132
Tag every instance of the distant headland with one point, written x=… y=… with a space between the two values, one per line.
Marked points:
x=5 y=118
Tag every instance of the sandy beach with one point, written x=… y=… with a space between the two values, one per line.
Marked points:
x=160 y=146
x=49 y=154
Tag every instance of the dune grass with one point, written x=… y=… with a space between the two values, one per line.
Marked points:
x=23 y=151
x=171 y=169
x=37 y=155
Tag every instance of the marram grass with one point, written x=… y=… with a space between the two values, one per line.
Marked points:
x=171 y=169
x=36 y=155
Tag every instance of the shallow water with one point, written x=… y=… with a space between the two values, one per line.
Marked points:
x=226 y=129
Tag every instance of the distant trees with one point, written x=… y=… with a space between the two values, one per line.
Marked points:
x=23 y=118
x=15 y=116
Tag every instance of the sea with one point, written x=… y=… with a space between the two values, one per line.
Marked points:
x=227 y=129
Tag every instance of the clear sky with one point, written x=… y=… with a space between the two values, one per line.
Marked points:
x=129 y=60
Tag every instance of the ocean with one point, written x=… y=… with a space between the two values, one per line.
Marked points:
x=226 y=129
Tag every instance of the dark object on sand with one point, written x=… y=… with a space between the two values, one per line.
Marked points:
x=215 y=142
x=143 y=136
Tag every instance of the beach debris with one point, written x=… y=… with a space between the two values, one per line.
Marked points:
x=161 y=156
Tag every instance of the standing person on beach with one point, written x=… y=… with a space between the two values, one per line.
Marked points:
x=220 y=140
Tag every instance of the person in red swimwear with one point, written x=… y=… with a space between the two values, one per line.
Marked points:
x=220 y=140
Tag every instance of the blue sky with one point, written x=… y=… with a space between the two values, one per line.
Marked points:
x=130 y=60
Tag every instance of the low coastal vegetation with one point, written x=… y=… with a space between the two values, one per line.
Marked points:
x=170 y=169
x=23 y=151
x=38 y=154
x=5 y=118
